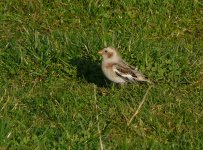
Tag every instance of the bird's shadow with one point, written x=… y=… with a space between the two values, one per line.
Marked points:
x=90 y=70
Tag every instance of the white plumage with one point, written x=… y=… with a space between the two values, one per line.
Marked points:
x=116 y=70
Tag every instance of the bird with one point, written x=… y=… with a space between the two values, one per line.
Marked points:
x=117 y=70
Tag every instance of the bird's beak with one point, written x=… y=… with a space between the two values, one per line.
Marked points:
x=100 y=52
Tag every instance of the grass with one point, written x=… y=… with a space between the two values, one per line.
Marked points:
x=53 y=94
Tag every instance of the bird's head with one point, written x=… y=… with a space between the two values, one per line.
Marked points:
x=109 y=54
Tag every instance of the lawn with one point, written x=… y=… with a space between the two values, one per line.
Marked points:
x=53 y=94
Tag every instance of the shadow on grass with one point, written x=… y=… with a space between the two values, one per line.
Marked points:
x=90 y=70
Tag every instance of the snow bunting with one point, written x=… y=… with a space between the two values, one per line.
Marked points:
x=117 y=70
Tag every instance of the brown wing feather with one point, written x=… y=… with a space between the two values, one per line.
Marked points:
x=123 y=68
x=126 y=70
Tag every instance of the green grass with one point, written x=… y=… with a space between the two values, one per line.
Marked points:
x=49 y=67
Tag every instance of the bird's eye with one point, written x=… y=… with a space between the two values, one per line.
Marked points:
x=105 y=51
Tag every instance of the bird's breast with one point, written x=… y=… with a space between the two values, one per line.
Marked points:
x=108 y=71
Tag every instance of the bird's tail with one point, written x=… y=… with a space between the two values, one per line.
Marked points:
x=149 y=81
x=143 y=79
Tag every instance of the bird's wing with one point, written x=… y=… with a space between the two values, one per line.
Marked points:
x=129 y=66
x=127 y=73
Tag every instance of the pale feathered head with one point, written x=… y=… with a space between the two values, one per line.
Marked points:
x=110 y=54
